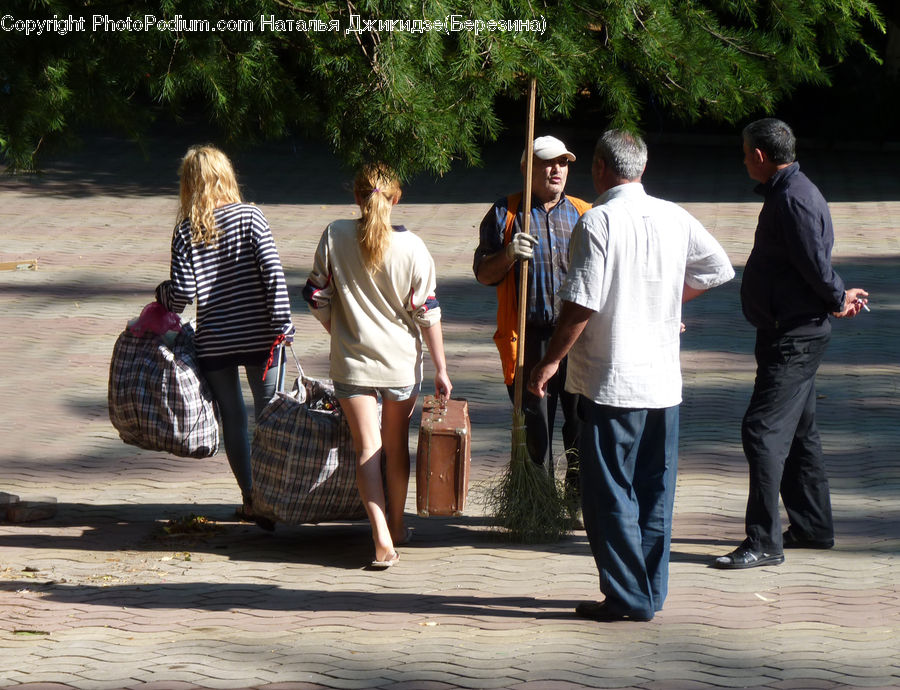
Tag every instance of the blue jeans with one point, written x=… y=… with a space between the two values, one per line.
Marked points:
x=225 y=386
x=629 y=459
x=782 y=445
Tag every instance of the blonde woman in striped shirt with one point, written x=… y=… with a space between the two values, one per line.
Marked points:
x=224 y=257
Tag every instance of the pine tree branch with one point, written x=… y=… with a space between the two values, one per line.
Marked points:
x=734 y=44
x=372 y=59
x=172 y=56
x=674 y=83
x=639 y=20
x=291 y=6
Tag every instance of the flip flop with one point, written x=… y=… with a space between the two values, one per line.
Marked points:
x=384 y=565
x=407 y=537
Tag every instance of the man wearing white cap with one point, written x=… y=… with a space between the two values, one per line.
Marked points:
x=501 y=247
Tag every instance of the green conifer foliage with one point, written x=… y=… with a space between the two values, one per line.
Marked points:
x=387 y=91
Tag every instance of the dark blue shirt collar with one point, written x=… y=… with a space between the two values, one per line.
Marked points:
x=776 y=179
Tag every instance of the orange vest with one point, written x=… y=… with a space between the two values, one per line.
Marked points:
x=506 y=336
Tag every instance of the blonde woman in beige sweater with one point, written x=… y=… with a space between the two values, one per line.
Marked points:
x=372 y=288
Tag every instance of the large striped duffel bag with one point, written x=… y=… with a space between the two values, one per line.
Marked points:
x=157 y=398
x=304 y=464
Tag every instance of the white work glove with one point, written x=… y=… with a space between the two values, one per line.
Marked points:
x=521 y=246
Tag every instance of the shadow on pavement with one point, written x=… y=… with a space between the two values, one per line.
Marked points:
x=344 y=545
x=207 y=596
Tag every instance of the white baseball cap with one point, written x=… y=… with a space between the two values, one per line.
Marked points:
x=548 y=148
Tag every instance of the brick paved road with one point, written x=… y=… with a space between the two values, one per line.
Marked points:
x=98 y=598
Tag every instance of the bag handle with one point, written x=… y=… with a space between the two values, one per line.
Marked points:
x=279 y=379
x=281 y=365
x=296 y=361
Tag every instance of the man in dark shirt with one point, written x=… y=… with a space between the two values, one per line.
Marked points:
x=501 y=248
x=788 y=290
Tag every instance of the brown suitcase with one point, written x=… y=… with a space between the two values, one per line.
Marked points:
x=443 y=457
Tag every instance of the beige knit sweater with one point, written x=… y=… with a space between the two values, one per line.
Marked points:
x=374 y=317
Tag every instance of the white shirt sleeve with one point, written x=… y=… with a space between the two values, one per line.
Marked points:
x=707 y=263
x=587 y=261
x=422 y=303
x=319 y=288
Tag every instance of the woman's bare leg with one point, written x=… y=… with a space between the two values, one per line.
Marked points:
x=362 y=416
x=395 y=416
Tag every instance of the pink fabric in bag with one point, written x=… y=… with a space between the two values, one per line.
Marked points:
x=156 y=319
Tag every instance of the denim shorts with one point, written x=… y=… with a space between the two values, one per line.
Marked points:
x=349 y=390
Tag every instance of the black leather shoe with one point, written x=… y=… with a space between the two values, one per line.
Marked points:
x=745 y=557
x=602 y=612
x=794 y=542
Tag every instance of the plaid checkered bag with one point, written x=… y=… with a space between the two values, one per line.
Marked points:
x=157 y=398
x=304 y=464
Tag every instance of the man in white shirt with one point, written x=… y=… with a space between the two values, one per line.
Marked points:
x=634 y=260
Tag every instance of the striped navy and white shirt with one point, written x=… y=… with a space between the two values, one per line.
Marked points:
x=239 y=285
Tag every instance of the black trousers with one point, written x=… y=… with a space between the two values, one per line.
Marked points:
x=540 y=413
x=782 y=445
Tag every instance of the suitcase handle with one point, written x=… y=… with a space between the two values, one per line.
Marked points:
x=438 y=407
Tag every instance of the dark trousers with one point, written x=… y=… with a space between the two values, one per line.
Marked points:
x=540 y=413
x=629 y=462
x=225 y=385
x=781 y=442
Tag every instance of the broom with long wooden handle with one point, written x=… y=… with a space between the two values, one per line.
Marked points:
x=527 y=502
x=518 y=390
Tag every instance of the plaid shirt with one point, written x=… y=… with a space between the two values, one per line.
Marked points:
x=547 y=270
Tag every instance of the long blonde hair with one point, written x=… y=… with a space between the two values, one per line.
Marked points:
x=376 y=188
x=207 y=182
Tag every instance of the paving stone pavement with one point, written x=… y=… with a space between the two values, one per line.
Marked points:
x=98 y=597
